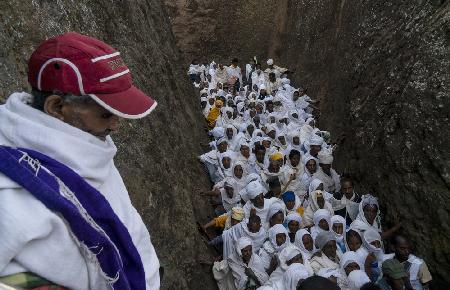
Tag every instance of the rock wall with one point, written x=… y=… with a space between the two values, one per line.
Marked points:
x=156 y=155
x=380 y=70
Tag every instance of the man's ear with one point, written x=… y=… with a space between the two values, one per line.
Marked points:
x=53 y=106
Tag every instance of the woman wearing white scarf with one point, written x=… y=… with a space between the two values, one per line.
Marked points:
x=349 y=262
x=369 y=213
x=231 y=136
x=287 y=257
x=354 y=242
x=337 y=227
x=294 y=274
x=305 y=243
x=240 y=173
x=357 y=279
x=317 y=184
x=230 y=194
x=225 y=118
x=246 y=266
x=374 y=246
x=278 y=240
x=226 y=159
x=321 y=222
x=310 y=168
x=316 y=201
x=257 y=203
x=327 y=257
x=294 y=222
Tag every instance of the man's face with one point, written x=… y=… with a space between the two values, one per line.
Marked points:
x=325 y=168
x=226 y=162
x=290 y=204
x=245 y=151
x=258 y=201
x=91 y=118
x=260 y=154
x=223 y=147
x=370 y=213
x=314 y=149
x=254 y=227
x=272 y=134
x=402 y=250
x=246 y=254
x=338 y=228
x=280 y=239
x=347 y=189
x=238 y=171
x=311 y=166
x=250 y=130
x=211 y=101
x=295 y=160
x=282 y=140
x=229 y=191
x=323 y=224
x=308 y=242
x=230 y=133
x=330 y=249
x=293 y=226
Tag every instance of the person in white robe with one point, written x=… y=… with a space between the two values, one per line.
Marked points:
x=329 y=177
x=246 y=266
x=326 y=257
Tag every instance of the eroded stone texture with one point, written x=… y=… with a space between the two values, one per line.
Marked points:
x=156 y=155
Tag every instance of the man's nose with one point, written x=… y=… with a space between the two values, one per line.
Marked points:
x=114 y=123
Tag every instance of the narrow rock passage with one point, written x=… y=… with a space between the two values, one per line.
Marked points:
x=284 y=216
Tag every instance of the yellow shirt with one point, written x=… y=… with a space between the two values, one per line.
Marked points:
x=212 y=117
x=220 y=221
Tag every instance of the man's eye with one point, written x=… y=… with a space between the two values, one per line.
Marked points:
x=106 y=115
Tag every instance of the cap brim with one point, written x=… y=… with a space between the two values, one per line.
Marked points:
x=128 y=104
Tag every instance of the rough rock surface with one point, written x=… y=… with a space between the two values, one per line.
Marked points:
x=156 y=155
x=381 y=72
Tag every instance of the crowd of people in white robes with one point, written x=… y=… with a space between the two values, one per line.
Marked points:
x=283 y=212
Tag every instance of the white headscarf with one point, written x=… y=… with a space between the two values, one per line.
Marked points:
x=348 y=258
x=357 y=279
x=273 y=232
x=242 y=243
x=299 y=243
x=368 y=199
x=319 y=215
x=370 y=236
x=293 y=216
x=293 y=274
x=254 y=189
x=323 y=238
x=328 y=272
x=337 y=219
x=315 y=183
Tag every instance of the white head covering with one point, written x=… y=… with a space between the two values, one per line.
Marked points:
x=357 y=279
x=314 y=185
x=315 y=140
x=273 y=232
x=337 y=219
x=328 y=272
x=321 y=214
x=368 y=199
x=370 y=236
x=325 y=157
x=242 y=243
x=270 y=61
x=262 y=87
x=299 y=242
x=323 y=238
x=275 y=208
x=293 y=216
x=217 y=132
x=348 y=258
x=293 y=274
x=254 y=189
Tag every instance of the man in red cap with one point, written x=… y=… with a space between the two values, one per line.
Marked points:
x=66 y=216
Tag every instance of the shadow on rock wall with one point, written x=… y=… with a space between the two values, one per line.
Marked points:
x=156 y=155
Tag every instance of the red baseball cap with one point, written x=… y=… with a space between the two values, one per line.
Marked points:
x=82 y=65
